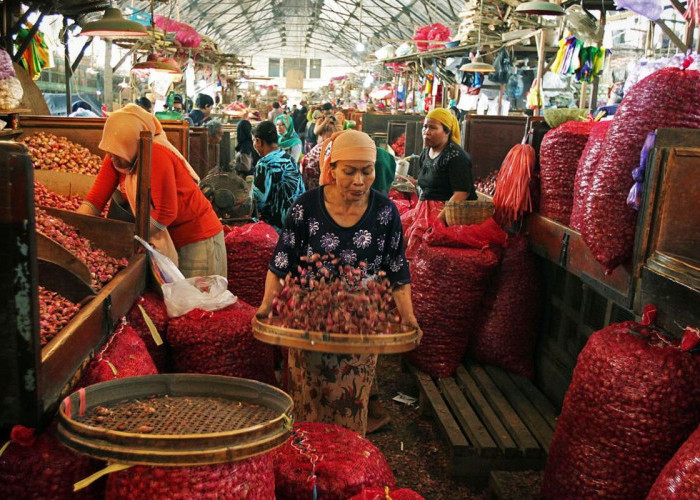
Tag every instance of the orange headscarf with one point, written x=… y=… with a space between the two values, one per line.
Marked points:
x=123 y=127
x=345 y=145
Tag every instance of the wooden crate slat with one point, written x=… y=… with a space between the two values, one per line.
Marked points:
x=509 y=417
x=488 y=416
x=538 y=425
x=539 y=401
x=471 y=425
x=448 y=425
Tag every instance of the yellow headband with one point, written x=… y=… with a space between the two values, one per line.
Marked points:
x=448 y=119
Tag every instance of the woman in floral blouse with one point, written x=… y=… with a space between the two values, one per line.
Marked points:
x=347 y=218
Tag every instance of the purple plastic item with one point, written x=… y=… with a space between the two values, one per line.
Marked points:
x=634 y=199
x=651 y=9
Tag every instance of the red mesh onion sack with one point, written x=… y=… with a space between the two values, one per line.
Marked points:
x=384 y=493
x=586 y=168
x=220 y=343
x=559 y=157
x=506 y=330
x=346 y=464
x=42 y=468
x=249 y=249
x=250 y=479
x=154 y=306
x=447 y=286
x=631 y=404
x=680 y=479
x=667 y=98
x=125 y=355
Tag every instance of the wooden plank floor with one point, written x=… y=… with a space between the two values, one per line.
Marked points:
x=491 y=419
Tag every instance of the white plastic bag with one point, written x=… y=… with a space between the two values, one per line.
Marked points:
x=208 y=292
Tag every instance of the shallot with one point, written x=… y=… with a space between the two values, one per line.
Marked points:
x=49 y=152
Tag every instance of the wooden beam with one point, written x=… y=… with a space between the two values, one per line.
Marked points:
x=671 y=35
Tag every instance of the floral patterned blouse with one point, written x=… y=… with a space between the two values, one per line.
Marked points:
x=311 y=167
x=377 y=239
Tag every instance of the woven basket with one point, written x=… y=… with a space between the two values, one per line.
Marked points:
x=464 y=213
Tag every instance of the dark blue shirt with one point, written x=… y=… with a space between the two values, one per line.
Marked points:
x=376 y=239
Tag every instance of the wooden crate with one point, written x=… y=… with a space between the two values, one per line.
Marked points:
x=199 y=150
x=492 y=420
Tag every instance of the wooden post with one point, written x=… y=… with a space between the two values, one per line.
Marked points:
x=582 y=97
x=143 y=190
x=540 y=66
x=501 y=90
x=68 y=71
x=108 y=77
x=20 y=346
x=593 y=102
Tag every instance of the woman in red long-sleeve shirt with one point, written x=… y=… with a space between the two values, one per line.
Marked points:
x=179 y=210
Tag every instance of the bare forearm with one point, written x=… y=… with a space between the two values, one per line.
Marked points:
x=402 y=297
x=272 y=288
x=87 y=209
x=459 y=196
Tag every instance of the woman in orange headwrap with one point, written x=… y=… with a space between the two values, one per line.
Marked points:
x=445 y=175
x=347 y=218
x=184 y=225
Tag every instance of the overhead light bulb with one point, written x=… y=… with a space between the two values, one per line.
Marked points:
x=360 y=47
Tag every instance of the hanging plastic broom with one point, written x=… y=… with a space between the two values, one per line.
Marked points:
x=512 y=198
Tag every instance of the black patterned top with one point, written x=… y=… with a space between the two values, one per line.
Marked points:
x=448 y=172
x=377 y=239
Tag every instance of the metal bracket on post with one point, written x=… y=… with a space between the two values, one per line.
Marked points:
x=564 y=253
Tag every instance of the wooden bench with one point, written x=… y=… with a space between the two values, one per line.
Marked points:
x=491 y=419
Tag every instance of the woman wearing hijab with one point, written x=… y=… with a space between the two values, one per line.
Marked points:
x=347 y=218
x=310 y=164
x=277 y=183
x=311 y=138
x=246 y=157
x=445 y=174
x=183 y=224
x=288 y=139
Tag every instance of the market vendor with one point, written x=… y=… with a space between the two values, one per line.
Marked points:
x=347 y=218
x=277 y=181
x=288 y=139
x=445 y=174
x=202 y=113
x=183 y=224
x=246 y=157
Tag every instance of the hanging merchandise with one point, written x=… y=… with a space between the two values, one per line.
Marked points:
x=651 y=9
x=401 y=90
x=10 y=88
x=566 y=61
x=504 y=67
x=534 y=97
x=591 y=63
x=437 y=32
x=692 y=11
x=36 y=55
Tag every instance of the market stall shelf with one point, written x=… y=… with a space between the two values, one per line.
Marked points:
x=492 y=420
x=176 y=419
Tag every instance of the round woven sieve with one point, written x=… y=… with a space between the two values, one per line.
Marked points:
x=176 y=419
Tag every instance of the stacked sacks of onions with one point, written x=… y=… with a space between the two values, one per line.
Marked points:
x=449 y=276
x=633 y=400
x=559 y=157
x=125 y=355
x=384 y=493
x=680 y=478
x=150 y=308
x=328 y=461
x=39 y=466
x=667 y=98
x=250 y=479
x=249 y=249
x=220 y=343
x=506 y=328
x=586 y=168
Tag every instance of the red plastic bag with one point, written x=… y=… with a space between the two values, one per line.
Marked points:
x=249 y=249
x=667 y=98
x=560 y=153
x=417 y=221
x=633 y=400
x=155 y=309
x=250 y=479
x=45 y=468
x=586 y=168
x=471 y=236
x=680 y=478
x=337 y=462
x=385 y=494
x=506 y=329
x=125 y=355
x=220 y=343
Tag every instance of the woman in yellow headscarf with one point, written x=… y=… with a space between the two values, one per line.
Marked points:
x=184 y=225
x=445 y=175
x=344 y=217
